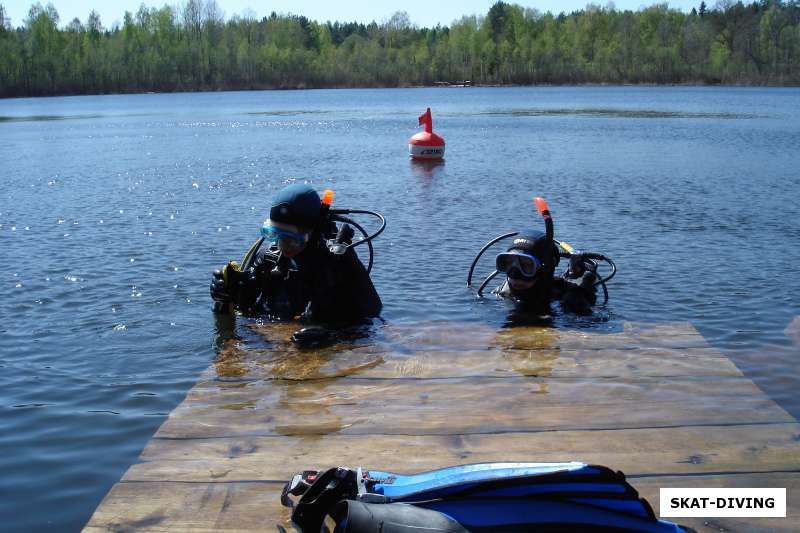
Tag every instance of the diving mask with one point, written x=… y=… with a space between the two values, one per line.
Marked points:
x=517 y=264
x=287 y=239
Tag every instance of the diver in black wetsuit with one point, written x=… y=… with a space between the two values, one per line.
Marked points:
x=529 y=265
x=304 y=266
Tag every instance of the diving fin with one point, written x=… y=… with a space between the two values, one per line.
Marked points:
x=482 y=497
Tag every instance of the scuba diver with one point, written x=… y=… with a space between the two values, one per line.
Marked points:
x=530 y=262
x=303 y=267
x=487 y=497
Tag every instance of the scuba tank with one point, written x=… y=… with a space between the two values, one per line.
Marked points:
x=470 y=498
x=575 y=286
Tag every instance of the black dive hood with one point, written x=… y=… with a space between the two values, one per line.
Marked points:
x=536 y=243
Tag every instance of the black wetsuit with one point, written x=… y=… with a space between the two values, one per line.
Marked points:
x=576 y=294
x=316 y=285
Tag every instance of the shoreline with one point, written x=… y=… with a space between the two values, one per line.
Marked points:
x=437 y=85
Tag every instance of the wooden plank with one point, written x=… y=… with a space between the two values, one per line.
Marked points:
x=406 y=393
x=367 y=363
x=462 y=406
x=676 y=450
x=435 y=351
x=649 y=489
x=417 y=338
x=430 y=421
x=197 y=507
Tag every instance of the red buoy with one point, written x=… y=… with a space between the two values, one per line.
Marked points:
x=426 y=145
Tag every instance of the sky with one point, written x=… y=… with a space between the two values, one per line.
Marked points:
x=421 y=12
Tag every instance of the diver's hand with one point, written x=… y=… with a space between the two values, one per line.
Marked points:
x=218 y=288
x=226 y=283
x=579 y=295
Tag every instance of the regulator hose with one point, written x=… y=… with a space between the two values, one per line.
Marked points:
x=367 y=239
x=477 y=257
x=489 y=278
x=338 y=215
x=338 y=212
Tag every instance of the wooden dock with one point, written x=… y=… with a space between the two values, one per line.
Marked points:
x=656 y=402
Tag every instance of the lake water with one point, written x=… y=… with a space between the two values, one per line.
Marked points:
x=114 y=210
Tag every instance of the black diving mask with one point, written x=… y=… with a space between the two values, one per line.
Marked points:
x=517 y=264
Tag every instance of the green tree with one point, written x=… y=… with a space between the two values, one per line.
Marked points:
x=193 y=47
x=5 y=22
x=42 y=49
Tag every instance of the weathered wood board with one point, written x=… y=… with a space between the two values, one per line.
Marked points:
x=656 y=402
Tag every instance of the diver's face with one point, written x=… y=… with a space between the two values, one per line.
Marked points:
x=292 y=240
x=290 y=249
x=520 y=284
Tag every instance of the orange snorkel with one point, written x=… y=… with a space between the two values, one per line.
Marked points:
x=544 y=210
x=327 y=202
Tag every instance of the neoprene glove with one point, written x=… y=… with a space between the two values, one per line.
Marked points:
x=218 y=288
x=226 y=282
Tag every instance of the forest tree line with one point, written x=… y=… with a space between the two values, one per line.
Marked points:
x=194 y=47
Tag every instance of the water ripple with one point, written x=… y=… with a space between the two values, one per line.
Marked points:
x=111 y=226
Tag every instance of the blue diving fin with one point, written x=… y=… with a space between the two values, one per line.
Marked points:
x=475 y=498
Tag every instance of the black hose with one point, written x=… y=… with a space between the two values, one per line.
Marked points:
x=601 y=257
x=477 y=257
x=603 y=280
x=347 y=220
x=251 y=254
x=337 y=215
x=489 y=278
x=336 y=212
